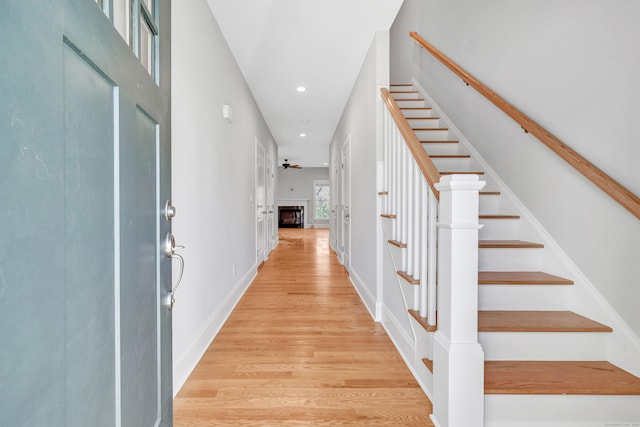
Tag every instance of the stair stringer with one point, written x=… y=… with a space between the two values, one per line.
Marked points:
x=623 y=345
x=411 y=340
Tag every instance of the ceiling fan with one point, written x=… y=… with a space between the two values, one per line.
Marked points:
x=287 y=165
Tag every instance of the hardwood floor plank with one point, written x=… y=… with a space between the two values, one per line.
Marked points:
x=301 y=349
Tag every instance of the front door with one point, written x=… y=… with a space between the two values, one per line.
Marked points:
x=85 y=337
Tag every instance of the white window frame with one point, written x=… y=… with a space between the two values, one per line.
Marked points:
x=325 y=183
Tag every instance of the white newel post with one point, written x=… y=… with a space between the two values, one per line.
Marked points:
x=458 y=358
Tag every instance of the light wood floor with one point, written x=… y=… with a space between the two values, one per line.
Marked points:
x=301 y=349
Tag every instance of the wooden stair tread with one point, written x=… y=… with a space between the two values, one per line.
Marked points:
x=564 y=377
x=383 y=193
x=450 y=156
x=408 y=278
x=490 y=193
x=504 y=244
x=498 y=216
x=537 y=321
x=390 y=216
x=403 y=91
x=462 y=173
x=422 y=321
x=440 y=141
x=398 y=244
x=521 y=278
x=428 y=363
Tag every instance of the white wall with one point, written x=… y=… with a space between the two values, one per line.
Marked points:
x=298 y=184
x=359 y=121
x=213 y=180
x=572 y=66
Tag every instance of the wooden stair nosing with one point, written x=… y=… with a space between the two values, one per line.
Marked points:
x=440 y=141
x=389 y=216
x=450 y=156
x=409 y=279
x=498 y=216
x=537 y=321
x=398 y=244
x=383 y=193
x=422 y=321
x=490 y=193
x=428 y=363
x=508 y=244
x=520 y=278
x=462 y=173
x=428 y=129
x=558 y=377
x=403 y=91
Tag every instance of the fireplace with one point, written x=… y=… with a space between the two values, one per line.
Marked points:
x=291 y=216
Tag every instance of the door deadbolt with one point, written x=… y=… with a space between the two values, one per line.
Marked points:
x=169 y=210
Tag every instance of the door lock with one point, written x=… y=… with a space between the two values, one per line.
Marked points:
x=169 y=210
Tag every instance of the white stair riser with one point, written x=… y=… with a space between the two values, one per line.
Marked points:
x=561 y=411
x=523 y=297
x=423 y=112
x=452 y=164
x=432 y=135
x=489 y=204
x=584 y=346
x=405 y=93
x=426 y=123
x=410 y=103
x=490 y=259
x=498 y=229
x=442 y=148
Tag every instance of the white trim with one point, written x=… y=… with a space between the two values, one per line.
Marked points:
x=183 y=367
x=365 y=295
x=323 y=182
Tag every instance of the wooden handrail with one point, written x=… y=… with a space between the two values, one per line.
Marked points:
x=613 y=188
x=428 y=169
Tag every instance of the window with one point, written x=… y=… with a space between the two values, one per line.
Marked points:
x=136 y=21
x=321 y=199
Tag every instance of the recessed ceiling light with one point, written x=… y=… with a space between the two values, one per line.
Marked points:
x=301 y=89
x=303 y=134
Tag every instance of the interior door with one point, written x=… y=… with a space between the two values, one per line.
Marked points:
x=85 y=171
x=346 y=205
x=271 y=227
x=333 y=226
x=261 y=204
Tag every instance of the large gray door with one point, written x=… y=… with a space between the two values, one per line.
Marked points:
x=85 y=334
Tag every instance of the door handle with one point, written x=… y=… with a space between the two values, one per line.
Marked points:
x=170 y=251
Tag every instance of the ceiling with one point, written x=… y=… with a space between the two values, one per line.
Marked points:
x=320 y=45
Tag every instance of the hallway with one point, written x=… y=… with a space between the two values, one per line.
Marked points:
x=300 y=349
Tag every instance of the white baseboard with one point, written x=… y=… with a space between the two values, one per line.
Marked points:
x=365 y=295
x=183 y=367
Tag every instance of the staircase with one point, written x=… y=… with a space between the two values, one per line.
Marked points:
x=547 y=362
